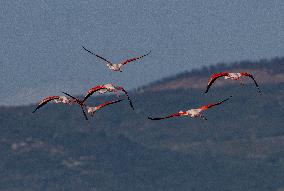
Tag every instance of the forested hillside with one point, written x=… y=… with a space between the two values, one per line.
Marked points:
x=240 y=147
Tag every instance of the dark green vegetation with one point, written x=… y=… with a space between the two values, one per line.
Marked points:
x=240 y=147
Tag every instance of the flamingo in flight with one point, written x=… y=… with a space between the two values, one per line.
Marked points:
x=116 y=66
x=107 y=88
x=191 y=112
x=92 y=110
x=61 y=99
x=54 y=99
x=232 y=76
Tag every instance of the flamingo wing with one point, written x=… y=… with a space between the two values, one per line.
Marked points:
x=214 y=77
x=251 y=76
x=97 y=55
x=169 y=116
x=108 y=103
x=125 y=92
x=45 y=101
x=136 y=58
x=92 y=91
x=205 y=107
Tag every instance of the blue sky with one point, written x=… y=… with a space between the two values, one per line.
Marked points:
x=40 y=41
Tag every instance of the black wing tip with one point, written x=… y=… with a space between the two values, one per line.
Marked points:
x=227 y=98
x=130 y=102
x=84 y=113
x=66 y=93
x=154 y=118
x=35 y=110
x=207 y=89
x=80 y=102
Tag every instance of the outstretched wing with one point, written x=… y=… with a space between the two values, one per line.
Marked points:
x=251 y=76
x=92 y=91
x=97 y=55
x=108 y=103
x=125 y=92
x=170 y=116
x=133 y=59
x=45 y=101
x=213 y=78
x=212 y=105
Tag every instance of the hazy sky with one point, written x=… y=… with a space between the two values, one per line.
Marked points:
x=40 y=41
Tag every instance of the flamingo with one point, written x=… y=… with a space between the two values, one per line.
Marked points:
x=191 y=112
x=233 y=76
x=92 y=110
x=101 y=89
x=54 y=99
x=116 y=66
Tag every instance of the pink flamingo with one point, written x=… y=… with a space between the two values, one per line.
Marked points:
x=116 y=66
x=54 y=99
x=61 y=99
x=107 y=88
x=191 y=112
x=232 y=76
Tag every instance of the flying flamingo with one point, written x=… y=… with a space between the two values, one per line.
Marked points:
x=54 y=99
x=92 y=110
x=107 y=88
x=191 y=112
x=233 y=76
x=116 y=66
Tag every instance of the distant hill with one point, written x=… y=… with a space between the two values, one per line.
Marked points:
x=240 y=147
x=265 y=72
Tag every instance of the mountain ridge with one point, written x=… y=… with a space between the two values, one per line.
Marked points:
x=239 y=147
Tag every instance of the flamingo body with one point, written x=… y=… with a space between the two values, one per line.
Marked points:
x=101 y=89
x=116 y=66
x=192 y=113
x=232 y=76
